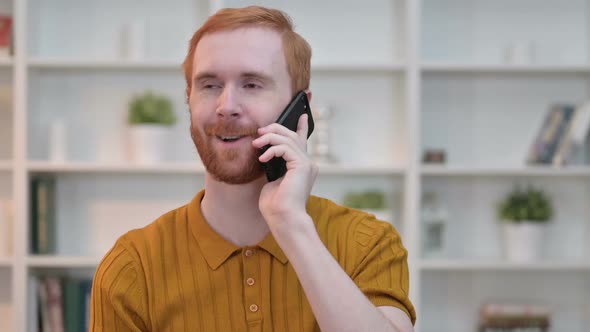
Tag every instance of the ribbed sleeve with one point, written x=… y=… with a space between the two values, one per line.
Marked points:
x=382 y=270
x=119 y=301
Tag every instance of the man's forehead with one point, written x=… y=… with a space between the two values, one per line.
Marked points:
x=239 y=50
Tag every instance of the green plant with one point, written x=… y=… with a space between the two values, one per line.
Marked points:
x=365 y=200
x=530 y=205
x=151 y=109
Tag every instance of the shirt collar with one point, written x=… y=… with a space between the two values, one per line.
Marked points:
x=214 y=247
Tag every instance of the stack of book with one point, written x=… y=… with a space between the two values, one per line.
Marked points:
x=563 y=136
x=514 y=318
x=6 y=36
x=63 y=304
x=43 y=215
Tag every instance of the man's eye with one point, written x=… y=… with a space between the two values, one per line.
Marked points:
x=251 y=86
x=210 y=86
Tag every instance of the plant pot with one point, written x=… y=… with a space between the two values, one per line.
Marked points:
x=523 y=241
x=147 y=143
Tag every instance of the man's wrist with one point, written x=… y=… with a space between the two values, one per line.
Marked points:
x=296 y=228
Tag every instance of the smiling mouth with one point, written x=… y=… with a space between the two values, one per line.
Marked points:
x=229 y=138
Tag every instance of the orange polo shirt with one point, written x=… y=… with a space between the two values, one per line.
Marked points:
x=178 y=274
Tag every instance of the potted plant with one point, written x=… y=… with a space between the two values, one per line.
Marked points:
x=525 y=214
x=150 y=118
x=371 y=201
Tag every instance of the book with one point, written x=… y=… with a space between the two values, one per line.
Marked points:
x=6 y=317
x=568 y=112
x=43 y=221
x=6 y=222
x=576 y=136
x=44 y=323
x=73 y=305
x=552 y=131
x=514 y=317
x=62 y=303
x=6 y=36
x=86 y=298
x=55 y=304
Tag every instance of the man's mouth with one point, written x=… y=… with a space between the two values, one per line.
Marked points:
x=229 y=138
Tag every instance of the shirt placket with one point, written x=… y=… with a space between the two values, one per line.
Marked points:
x=252 y=291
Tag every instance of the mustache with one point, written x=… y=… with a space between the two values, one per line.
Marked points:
x=225 y=128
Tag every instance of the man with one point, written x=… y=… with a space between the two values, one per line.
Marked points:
x=247 y=254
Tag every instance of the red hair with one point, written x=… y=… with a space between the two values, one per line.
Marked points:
x=297 y=50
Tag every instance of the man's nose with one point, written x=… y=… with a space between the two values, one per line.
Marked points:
x=228 y=105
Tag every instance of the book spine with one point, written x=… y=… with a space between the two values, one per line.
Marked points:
x=55 y=304
x=550 y=135
x=543 y=135
x=564 y=123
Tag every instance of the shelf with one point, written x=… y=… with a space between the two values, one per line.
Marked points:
x=361 y=170
x=93 y=167
x=90 y=64
x=190 y=168
x=6 y=62
x=6 y=261
x=503 y=68
x=473 y=265
x=96 y=64
x=52 y=261
x=5 y=165
x=549 y=171
x=358 y=67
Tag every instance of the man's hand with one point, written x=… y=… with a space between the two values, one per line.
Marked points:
x=284 y=200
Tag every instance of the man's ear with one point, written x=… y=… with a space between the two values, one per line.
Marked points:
x=309 y=94
x=188 y=94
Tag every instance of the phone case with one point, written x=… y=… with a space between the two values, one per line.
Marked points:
x=299 y=105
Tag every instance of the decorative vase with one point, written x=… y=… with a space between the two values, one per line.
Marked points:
x=523 y=241
x=147 y=143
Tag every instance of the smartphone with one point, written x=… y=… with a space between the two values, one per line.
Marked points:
x=299 y=105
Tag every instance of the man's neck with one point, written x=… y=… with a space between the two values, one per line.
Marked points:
x=232 y=211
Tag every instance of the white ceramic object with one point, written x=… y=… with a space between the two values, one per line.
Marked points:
x=132 y=41
x=147 y=143
x=523 y=241
x=520 y=53
x=57 y=141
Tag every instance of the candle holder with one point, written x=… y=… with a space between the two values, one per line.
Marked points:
x=320 y=141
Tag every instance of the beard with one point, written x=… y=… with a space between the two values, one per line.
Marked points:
x=230 y=165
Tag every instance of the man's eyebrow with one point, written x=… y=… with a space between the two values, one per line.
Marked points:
x=203 y=75
x=258 y=75
x=248 y=74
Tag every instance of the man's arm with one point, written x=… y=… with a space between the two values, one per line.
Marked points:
x=397 y=317
x=118 y=301
x=336 y=301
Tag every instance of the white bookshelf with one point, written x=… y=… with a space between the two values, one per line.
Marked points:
x=191 y=168
x=501 y=265
x=5 y=165
x=459 y=68
x=6 y=262
x=90 y=167
x=6 y=62
x=407 y=76
x=89 y=64
x=62 y=262
x=170 y=65
x=519 y=171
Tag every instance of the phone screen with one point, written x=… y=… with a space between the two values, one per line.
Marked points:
x=299 y=105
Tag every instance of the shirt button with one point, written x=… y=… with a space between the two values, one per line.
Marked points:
x=250 y=281
x=248 y=253
x=253 y=307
